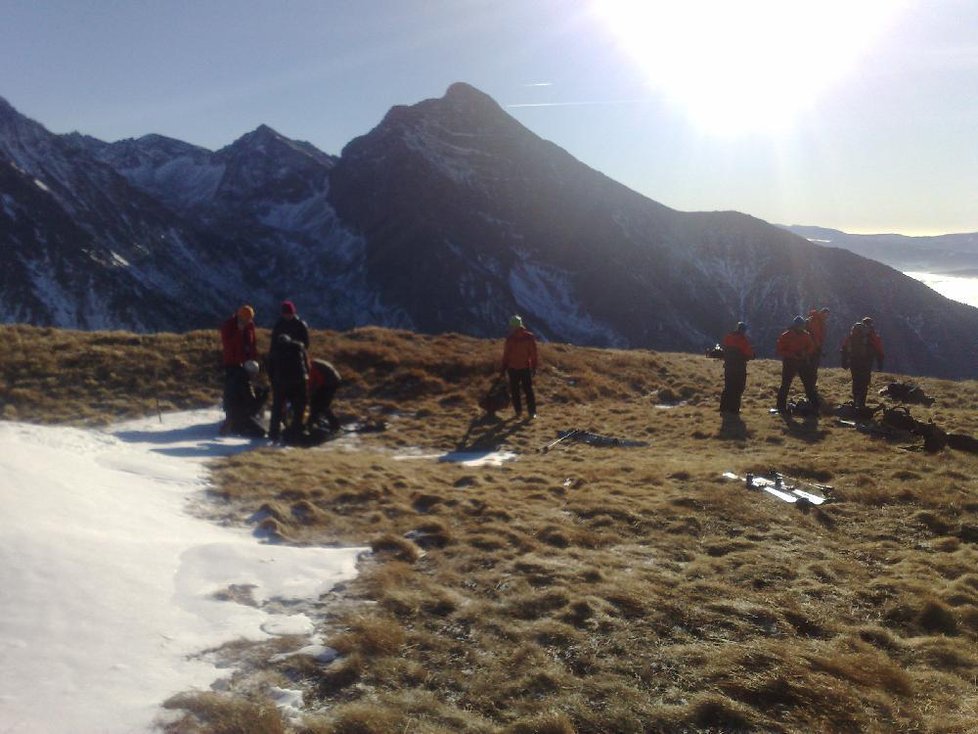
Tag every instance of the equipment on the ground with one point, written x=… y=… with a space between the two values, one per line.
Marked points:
x=786 y=489
x=906 y=392
x=496 y=397
x=592 y=439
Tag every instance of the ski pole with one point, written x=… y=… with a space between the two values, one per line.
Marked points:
x=567 y=435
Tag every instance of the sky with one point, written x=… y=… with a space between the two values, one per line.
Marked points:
x=856 y=115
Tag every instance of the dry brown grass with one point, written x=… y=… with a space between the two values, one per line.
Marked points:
x=590 y=589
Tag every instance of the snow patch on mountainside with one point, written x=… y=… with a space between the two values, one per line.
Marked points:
x=548 y=293
x=182 y=181
x=310 y=214
x=8 y=202
x=454 y=161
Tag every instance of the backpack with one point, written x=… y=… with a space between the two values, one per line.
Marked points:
x=496 y=398
x=898 y=418
x=906 y=392
x=962 y=442
x=935 y=439
x=859 y=349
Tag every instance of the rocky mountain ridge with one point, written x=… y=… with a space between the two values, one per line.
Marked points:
x=447 y=216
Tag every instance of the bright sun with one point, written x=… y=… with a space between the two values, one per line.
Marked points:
x=741 y=66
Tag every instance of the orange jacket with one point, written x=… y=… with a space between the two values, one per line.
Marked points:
x=738 y=340
x=520 y=350
x=796 y=344
x=815 y=323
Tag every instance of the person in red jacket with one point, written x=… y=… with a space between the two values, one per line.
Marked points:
x=238 y=337
x=737 y=351
x=239 y=345
x=520 y=364
x=796 y=349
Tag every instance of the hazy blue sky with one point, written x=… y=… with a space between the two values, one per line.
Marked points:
x=858 y=114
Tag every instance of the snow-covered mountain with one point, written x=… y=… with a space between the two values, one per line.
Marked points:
x=448 y=216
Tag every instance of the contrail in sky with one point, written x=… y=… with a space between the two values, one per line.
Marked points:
x=583 y=103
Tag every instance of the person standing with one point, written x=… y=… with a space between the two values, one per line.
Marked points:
x=290 y=323
x=239 y=344
x=796 y=348
x=288 y=370
x=859 y=349
x=737 y=351
x=875 y=343
x=520 y=365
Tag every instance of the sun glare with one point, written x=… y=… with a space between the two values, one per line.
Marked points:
x=749 y=65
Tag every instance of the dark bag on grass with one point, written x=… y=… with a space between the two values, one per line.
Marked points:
x=906 y=392
x=935 y=439
x=497 y=397
x=898 y=418
x=962 y=442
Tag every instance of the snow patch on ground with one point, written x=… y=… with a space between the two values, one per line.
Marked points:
x=112 y=591
x=465 y=458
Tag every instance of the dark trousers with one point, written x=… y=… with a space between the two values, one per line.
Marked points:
x=288 y=395
x=804 y=370
x=232 y=376
x=861 y=375
x=522 y=379
x=320 y=403
x=734 y=383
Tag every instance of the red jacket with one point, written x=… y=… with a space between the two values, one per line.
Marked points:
x=239 y=345
x=520 y=350
x=738 y=340
x=796 y=344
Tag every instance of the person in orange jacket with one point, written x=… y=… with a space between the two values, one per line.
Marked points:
x=520 y=364
x=796 y=347
x=817 y=326
x=737 y=351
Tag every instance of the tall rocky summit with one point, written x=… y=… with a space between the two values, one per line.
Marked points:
x=448 y=216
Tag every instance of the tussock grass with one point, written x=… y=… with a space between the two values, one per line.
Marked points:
x=586 y=589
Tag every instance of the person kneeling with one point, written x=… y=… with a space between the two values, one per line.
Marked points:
x=324 y=379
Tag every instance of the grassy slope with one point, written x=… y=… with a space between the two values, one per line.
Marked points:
x=585 y=589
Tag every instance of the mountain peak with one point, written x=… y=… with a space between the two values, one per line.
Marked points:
x=261 y=135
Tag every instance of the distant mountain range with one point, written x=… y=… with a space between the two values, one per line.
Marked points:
x=947 y=254
x=448 y=216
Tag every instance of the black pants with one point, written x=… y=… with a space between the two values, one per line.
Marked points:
x=283 y=395
x=320 y=403
x=734 y=383
x=861 y=375
x=233 y=375
x=522 y=379
x=804 y=370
